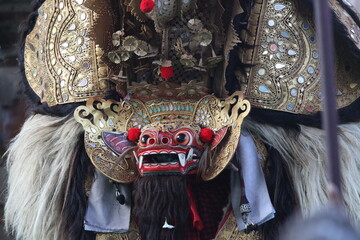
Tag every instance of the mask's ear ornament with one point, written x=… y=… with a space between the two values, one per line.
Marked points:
x=127 y=139
x=218 y=136
x=119 y=143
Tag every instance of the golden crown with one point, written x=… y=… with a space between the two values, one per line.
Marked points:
x=76 y=46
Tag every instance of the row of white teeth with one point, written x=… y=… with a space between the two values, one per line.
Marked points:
x=182 y=158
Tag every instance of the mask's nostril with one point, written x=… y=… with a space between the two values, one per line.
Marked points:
x=151 y=141
x=165 y=140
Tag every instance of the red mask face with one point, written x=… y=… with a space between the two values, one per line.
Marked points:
x=169 y=149
x=165 y=136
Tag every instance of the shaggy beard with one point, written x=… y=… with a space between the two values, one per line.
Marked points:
x=157 y=198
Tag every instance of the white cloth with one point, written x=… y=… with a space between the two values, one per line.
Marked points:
x=256 y=190
x=104 y=213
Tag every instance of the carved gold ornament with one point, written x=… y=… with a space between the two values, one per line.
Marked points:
x=65 y=54
x=285 y=75
x=101 y=116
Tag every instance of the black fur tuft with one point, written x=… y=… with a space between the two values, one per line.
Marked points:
x=75 y=202
x=157 y=198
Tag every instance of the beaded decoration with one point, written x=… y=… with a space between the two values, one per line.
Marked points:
x=286 y=72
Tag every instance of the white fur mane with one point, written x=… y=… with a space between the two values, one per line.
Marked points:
x=304 y=154
x=39 y=160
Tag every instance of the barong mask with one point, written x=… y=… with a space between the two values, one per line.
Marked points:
x=140 y=73
x=92 y=48
x=131 y=138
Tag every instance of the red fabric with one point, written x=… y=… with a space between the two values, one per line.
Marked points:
x=206 y=135
x=211 y=197
x=147 y=6
x=196 y=220
x=134 y=134
x=167 y=72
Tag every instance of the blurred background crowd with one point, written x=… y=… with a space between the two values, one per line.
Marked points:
x=12 y=104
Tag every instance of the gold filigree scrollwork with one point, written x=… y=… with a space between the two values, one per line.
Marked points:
x=216 y=114
x=106 y=116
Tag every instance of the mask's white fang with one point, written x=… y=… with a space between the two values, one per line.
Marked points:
x=137 y=159
x=190 y=155
x=141 y=161
x=182 y=159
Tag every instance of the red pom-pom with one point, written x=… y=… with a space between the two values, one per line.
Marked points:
x=206 y=135
x=134 y=134
x=167 y=72
x=147 y=6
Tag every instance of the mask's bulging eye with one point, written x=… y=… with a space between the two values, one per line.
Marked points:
x=144 y=139
x=182 y=138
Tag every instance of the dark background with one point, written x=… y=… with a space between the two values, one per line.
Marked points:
x=12 y=107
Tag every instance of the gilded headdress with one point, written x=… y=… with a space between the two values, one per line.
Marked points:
x=285 y=62
x=65 y=54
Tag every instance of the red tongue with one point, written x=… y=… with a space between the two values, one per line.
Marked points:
x=197 y=223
